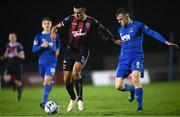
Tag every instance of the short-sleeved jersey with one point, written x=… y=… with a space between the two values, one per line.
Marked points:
x=80 y=31
x=132 y=39
x=11 y=50
x=47 y=55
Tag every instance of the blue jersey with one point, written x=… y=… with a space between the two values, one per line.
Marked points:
x=132 y=39
x=47 y=55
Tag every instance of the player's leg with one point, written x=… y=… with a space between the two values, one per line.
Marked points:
x=67 y=67
x=77 y=68
x=78 y=84
x=18 y=81
x=137 y=72
x=123 y=71
x=138 y=89
x=49 y=74
x=47 y=89
x=42 y=70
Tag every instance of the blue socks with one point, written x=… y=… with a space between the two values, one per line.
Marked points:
x=47 y=89
x=139 y=97
x=128 y=87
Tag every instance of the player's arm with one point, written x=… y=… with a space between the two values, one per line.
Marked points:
x=5 y=55
x=54 y=30
x=20 y=53
x=37 y=46
x=107 y=35
x=57 y=46
x=65 y=22
x=157 y=36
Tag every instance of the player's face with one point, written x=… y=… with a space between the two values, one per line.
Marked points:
x=46 y=25
x=12 y=38
x=122 y=19
x=79 y=13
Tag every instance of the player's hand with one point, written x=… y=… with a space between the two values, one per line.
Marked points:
x=45 y=44
x=118 y=42
x=53 y=35
x=172 y=44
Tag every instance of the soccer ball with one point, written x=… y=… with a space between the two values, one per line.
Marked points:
x=51 y=107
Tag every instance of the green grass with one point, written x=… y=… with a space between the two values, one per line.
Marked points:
x=160 y=99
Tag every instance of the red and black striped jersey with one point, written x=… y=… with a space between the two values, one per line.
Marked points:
x=11 y=50
x=80 y=31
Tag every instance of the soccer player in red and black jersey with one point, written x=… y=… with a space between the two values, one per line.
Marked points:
x=77 y=51
x=14 y=55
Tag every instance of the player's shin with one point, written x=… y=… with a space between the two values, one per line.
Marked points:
x=128 y=87
x=79 y=88
x=139 y=98
x=70 y=90
x=47 y=88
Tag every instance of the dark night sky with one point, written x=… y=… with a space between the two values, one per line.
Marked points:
x=24 y=18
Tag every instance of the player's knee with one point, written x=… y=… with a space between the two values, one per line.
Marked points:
x=47 y=80
x=7 y=78
x=18 y=83
x=76 y=75
x=136 y=74
x=67 y=80
x=77 y=70
x=118 y=87
x=137 y=83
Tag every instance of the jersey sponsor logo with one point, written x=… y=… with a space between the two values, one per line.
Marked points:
x=78 y=33
x=125 y=38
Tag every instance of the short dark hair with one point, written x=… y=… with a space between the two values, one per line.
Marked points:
x=122 y=11
x=47 y=19
x=79 y=4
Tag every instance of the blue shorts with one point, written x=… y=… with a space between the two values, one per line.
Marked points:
x=47 y=69
x=125 y=67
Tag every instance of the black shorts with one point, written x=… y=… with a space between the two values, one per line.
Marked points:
x=71 y=57
x=14 y=70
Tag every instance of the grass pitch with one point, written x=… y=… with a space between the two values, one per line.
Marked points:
x=160 y=99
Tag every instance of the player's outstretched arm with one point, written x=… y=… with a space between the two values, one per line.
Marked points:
x=54 y=30
x=172 y=44
x=157 y=36
x=107 y=35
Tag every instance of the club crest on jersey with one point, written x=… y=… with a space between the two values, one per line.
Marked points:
x=131 y=30
x=87 y=25
x=125 y=38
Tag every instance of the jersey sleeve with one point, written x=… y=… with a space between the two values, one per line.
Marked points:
x=20 y=49
x=67 y=21
x=36 y=44
x=146 y=30
x=95 y=23
x=57 y=44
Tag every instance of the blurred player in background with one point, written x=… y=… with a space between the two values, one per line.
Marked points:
x=48 y=51
x=77 y=51
x=131 y=59
x=14 y=55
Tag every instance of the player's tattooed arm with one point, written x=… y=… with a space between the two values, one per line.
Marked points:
x=54 y=30
x=107 y=35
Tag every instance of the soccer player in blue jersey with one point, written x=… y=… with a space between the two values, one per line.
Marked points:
x=48 y=50
x=131 y=59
